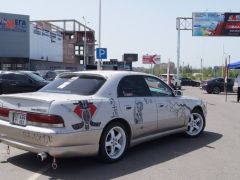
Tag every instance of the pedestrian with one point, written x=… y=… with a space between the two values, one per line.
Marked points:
x=238 y=92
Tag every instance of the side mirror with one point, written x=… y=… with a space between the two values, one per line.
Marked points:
x=178 y=93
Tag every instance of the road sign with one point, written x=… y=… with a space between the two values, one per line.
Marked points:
x=101 y=53
x=151 y=59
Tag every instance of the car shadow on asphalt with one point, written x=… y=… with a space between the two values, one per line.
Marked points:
x=137 y=158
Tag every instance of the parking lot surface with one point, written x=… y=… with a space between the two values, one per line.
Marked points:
x=214 y=155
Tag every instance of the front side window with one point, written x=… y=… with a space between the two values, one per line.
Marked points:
x=75 y=84
x=157 y=87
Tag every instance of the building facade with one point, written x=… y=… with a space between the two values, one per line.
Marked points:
x=43 y=45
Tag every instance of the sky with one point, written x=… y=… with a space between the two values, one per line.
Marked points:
x=141 y=26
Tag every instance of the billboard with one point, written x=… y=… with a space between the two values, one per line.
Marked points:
x=216 y=24
x=14 y=35
x=45 y=45
x=130 y=57
x=151 y=59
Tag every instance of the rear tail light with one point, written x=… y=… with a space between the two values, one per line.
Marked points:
x=51 y=120
x=37 y=119
x=4 y=112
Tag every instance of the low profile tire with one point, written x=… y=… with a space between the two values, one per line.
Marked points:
x=216 y=90
x=113 y=142
x=196 y=123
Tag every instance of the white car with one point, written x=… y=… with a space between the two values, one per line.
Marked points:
x=97 y=113
x=176 y=82
x=235 y=86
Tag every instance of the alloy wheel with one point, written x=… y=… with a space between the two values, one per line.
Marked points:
x=115 y=142
x=195 y=124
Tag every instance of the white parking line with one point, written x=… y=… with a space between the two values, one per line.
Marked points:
x=39 y=173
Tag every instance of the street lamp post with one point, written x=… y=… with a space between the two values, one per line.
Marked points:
x=99 y=36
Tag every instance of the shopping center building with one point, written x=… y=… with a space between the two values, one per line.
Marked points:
x=44 y=44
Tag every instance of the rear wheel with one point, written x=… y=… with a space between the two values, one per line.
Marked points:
x=113 y=143
x=216 y=90
x=196 y=123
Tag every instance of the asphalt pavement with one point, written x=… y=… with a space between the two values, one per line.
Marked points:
x=212 y=156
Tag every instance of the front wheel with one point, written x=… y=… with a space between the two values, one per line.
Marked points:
x=196 y=123
x=113 y=143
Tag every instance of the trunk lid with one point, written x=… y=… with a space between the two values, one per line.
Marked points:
x=34 y=102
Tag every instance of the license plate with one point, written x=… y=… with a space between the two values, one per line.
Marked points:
x=19 y=119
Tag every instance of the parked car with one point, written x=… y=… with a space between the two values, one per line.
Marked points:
x=189 y=82
x=175 y=80
x=50 y=75
x=216 y=85
x=97 y=113
x=19 y=82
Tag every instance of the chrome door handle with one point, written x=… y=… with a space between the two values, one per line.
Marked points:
x=161 y=105
x=128 y=107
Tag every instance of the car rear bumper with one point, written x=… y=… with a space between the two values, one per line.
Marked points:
x=235 y=88
x=68 y=151
x=55 y=143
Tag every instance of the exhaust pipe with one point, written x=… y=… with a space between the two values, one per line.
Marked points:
x=42 y=156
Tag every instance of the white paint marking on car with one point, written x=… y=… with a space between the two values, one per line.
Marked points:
x=40 y=172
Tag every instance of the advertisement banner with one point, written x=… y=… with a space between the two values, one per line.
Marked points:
x=151 y=59
x=216 y=24
x=14 y=35
x=130 y=57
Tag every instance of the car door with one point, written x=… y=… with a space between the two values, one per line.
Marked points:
x=24 y=83
x=137 y=105
x=8 y=83
x=171 y=111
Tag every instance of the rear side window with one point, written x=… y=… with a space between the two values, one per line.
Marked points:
x=220 y=80
x=15 y=77
x=133 y=86
x=75 y=84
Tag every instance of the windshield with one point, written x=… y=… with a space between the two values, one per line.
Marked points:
x=75 y=84
x=36 y=77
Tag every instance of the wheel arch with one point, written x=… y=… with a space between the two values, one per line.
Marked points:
x=197 y=108
x=124 y=122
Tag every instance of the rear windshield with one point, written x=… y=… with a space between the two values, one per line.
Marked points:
x=75 y=84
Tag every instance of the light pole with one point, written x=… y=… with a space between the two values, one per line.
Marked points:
x=99 y=36
x=201 y=69
x=182 y=67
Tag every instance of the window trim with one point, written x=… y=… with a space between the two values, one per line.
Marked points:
x=172 y=94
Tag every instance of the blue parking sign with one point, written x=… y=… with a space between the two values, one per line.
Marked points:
x=101 y=53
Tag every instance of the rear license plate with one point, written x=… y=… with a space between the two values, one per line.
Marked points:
x=19 y=119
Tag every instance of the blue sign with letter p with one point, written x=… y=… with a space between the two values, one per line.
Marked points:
x=101 y=53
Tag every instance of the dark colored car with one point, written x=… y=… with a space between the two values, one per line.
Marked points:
x=50 y=75
x=216 y=85
x=190 y=82
x=19 y=82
